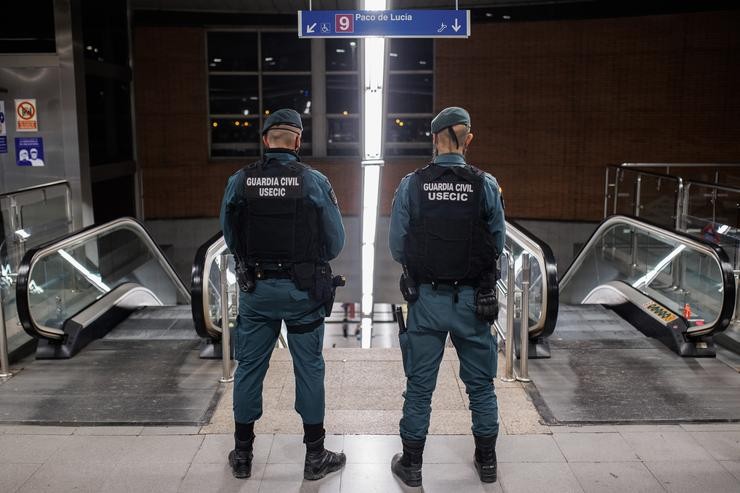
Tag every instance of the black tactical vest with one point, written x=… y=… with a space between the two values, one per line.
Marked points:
x=449 y=240
x=276 y=223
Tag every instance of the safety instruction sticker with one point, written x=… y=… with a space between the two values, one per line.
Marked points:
x=29 y=151
x=26 y=115
x=3 y=130
x=660 y=312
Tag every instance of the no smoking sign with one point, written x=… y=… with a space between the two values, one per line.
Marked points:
x=26 y=115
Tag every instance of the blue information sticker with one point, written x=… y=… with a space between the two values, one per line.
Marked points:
x=3 y=144
x=29 y=151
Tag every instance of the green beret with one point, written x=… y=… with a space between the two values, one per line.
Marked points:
x=449 y=117
x=283 y=117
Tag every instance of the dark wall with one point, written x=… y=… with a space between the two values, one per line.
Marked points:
x=552 y=103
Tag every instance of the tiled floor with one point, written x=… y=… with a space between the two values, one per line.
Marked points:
x=611 y=458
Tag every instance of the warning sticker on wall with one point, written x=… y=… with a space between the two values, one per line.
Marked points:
x=3 y=130
x=660 y=312
x=26 y=115
x=29 y=151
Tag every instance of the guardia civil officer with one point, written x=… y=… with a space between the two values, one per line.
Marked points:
x=281 y=221
x=447 y=230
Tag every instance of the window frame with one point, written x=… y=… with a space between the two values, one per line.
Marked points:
x=355 y=116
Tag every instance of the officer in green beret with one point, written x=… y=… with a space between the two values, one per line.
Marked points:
x=447 y=230
x=281 y=221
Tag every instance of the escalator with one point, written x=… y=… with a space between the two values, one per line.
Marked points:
x=107 y=281
x=636 y=314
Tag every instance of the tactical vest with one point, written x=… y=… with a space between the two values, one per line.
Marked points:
x=276 y=222
x=449 y=241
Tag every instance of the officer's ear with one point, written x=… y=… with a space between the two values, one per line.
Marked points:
x=468 y=139
x=297 y=142
x=265 y=142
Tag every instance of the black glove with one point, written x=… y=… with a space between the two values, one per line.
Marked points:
x=486 y=305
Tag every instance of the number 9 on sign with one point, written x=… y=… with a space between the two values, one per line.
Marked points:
x=344 y=23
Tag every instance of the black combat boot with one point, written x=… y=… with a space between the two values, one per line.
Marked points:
x=319 y=461
x=240 y=458
x=485 y=458
x=407 y=466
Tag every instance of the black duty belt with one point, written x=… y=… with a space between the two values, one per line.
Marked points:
x=473 y=283
x=275 y=274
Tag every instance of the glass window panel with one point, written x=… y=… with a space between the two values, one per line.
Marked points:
x=105 y=31
x=27 y=27
x=411 y=54
x=234 y=94
x=343 y=130
x=109 y=120
x=342 y=94
x=232 y=137
x=285 y=52
x=341 y=54
x=410 y=93
x=343 y=150
x=286 y=91
x=232 y=51
x=409 y=130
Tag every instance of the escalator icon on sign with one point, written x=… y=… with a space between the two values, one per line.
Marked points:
x=325 y=27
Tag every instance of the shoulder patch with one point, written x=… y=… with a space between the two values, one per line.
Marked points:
x=333 y=196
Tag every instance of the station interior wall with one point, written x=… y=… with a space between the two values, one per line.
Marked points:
x=552 y=103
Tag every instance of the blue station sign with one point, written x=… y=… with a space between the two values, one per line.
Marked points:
x=384 y=23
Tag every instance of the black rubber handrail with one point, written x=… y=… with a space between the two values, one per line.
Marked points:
x=550 y=277
x=198 y=297
x=29 y=259
x=728 y=274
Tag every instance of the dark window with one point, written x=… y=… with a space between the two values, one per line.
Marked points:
x=234 y=95
x=341 y=55
x=411 y=54
x=343 y=136
x=410 y=93
x=27 y=26
x=342 y=94
x=232 y=137
x=105 y=31
x=108 y=120
x=280 y=91
x=410 y=97
x=285 y=52
x=232 y=51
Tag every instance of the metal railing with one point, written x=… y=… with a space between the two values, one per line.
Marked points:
x=20 y=234
x=507 y=334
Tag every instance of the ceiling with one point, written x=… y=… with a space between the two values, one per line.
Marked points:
x=291 y=6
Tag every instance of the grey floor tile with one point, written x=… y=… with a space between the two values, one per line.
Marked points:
x=161 y=477
x=36 y=430
x=584 y=429
x=202 y=478
x=546 y=477
x=615 y=477
x=32 y=449
x=170 y=430
x=371 y=478
x=690 y=477
x=449 y=449
x=711 y=427
x=12 y=476
x=659 y=446
x=733 y=467
x=371 y=449
x=648 y=428
x=285 y=478
x=216 y=448
x=92 y=449
x=108 y=430
x=594 y=447
x=152 y=449
x=723 y=445
x=57 y=477
x=289 y=449
x=528 y=448
x=445 y=478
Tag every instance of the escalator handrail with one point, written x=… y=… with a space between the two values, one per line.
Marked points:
x=31 y=257
x=692 y=242
x=544 y=256
x=199 y=281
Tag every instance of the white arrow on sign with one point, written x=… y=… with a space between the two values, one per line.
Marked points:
x=456 y=26
x=309 y=29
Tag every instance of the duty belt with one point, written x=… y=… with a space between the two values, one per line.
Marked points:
x=274 y=274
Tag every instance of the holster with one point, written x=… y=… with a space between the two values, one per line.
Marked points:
x=304 y=275
x=409 y=288
x=245 y=277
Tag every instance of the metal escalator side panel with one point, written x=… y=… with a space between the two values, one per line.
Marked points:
x=656 y=260
x=97 y=258
x=200 y=286
x=545 y=261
